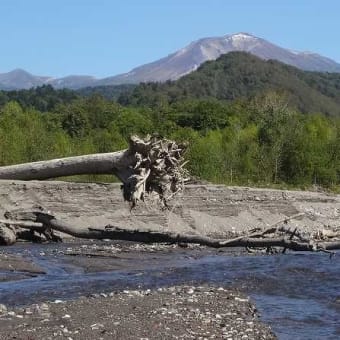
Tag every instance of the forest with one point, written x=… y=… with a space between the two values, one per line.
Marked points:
x=243 y=128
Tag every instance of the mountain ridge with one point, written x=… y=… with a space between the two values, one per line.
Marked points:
x=180 y=63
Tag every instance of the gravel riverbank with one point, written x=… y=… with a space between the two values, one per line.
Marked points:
x=180 y=312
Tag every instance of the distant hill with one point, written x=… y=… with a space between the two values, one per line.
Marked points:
x=179 y=63
x=242 y=75
x=20 y=79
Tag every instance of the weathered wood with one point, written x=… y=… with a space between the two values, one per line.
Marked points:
x=7 y=235
x=23 y=224
x=104 y=163
x=148 y=236
x=148 y=165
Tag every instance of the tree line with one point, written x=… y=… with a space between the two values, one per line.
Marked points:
x=261 y=140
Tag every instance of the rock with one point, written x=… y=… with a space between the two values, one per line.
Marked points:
x=3 y=309
x=44 y=307
x=58 y=301
x=28 y=311
x=96 y=326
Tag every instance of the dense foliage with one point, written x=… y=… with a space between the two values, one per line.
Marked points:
x=258 y=138
x=110 y=92
x=43 y=98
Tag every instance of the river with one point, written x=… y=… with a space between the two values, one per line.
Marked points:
x=298 y=294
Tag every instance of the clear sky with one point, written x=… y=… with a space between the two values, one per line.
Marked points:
x=107 y=37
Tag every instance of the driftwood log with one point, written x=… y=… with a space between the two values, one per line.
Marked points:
x=278 y=235
x=148 y=165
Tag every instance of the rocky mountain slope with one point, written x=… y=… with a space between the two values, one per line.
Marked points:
x=190 y=57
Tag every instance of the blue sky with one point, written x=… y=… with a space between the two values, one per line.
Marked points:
x=103 y=37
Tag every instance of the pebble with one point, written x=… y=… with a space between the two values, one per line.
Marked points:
x=96 y=326
x=3 y=308
x=58 y=301
x=28 y=311
x=241 y=300
x=44 y=307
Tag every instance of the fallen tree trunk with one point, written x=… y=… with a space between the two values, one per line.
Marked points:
x=148 y=165
x=104 y=163
x=39 y=217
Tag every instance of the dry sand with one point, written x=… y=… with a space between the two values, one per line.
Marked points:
x=213 y=210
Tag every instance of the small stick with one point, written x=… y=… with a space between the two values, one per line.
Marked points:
x=23 y=224
x=291 y=237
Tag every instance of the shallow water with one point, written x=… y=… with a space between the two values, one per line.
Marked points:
x=298 y=294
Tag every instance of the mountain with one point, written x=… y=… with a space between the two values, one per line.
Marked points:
x=19 y=78
x=238 y=75
x=190 y=57
x=180 y=63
